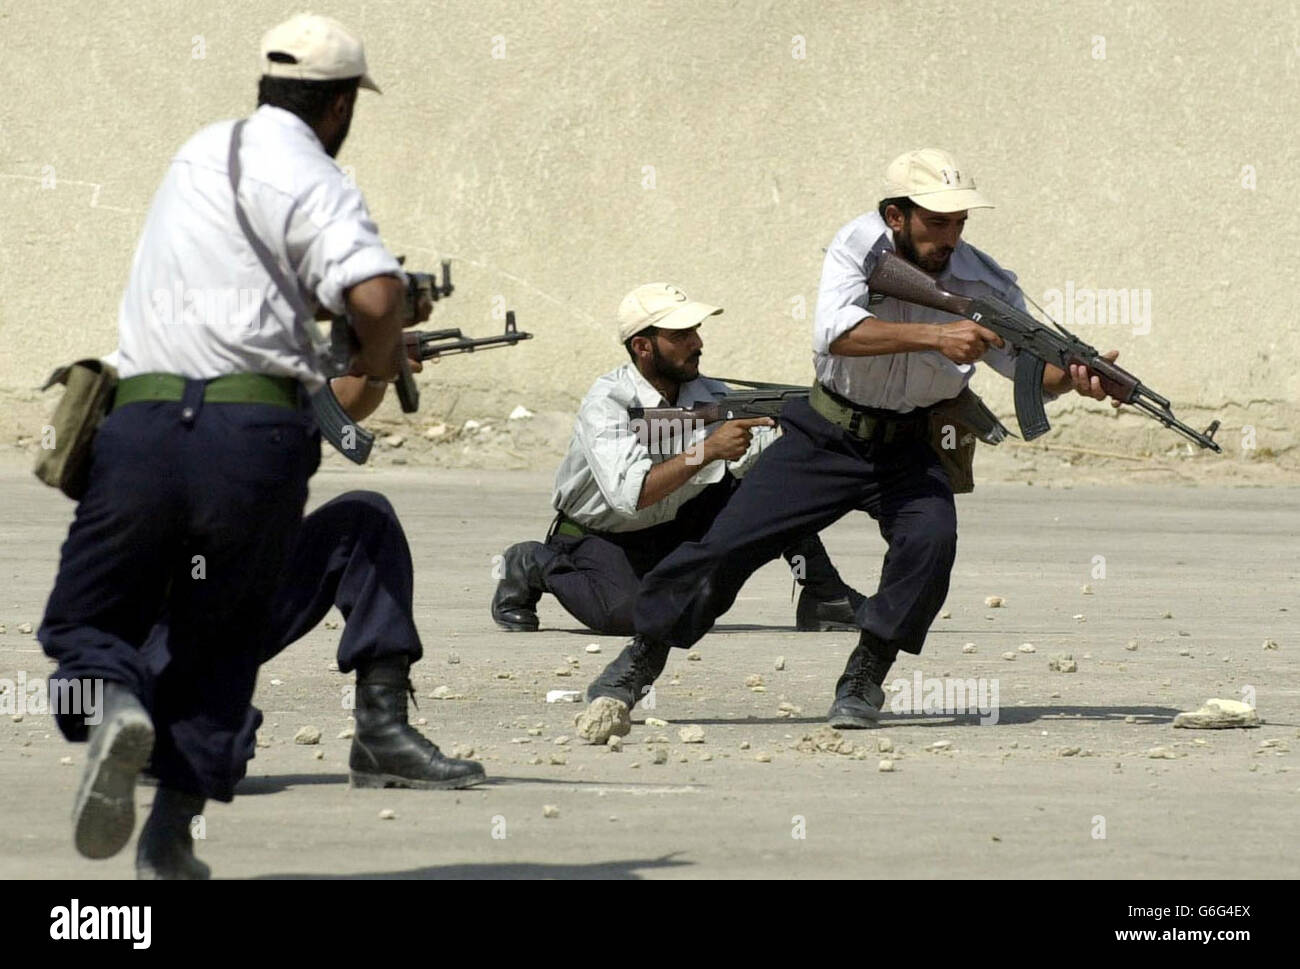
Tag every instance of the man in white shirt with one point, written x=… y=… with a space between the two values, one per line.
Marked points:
x=200 y=472
x=859 y=442
x=625 y=499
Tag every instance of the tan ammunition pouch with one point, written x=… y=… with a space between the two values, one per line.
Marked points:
x=68 y=440
x=955 y=426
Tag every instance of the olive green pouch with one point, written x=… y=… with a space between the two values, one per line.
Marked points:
x=67 y=441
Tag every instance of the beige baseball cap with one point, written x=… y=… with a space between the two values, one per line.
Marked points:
x=662 y=305
x=933 y=180
x=309 y=47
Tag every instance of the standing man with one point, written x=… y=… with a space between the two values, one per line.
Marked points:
x=200 y=473
x=859 y=442
x=624 y=502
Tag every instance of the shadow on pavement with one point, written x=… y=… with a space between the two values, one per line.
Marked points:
x=599 y=870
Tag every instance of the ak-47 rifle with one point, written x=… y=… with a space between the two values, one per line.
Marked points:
x=764 y=400
x=336 y=426
x=1033 y=345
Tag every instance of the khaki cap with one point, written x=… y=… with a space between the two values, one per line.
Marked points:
x=321 y=49
x=933 y=180
x=662 y=305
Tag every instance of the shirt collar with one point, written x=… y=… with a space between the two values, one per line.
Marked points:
x=290 y=122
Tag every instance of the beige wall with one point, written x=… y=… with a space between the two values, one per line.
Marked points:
x=1122 y=170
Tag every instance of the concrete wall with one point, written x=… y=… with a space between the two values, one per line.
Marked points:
x=1146 y=146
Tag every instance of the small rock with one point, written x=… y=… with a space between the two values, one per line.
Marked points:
x=387 y=814
x=307 y=736
x=1079 y=617
x=394 y=440
x=421 y=722
x=1130 y=719
x=505 y=676
x=706 y=756
x=593 y=647
x=753 y=680
x=534 y=731
x=1131 y=645
x=1166 y=615
x=744 y=745
x=659 y=756
x=561 y=741
x=277 y=682
x=331 y=624
x=550 y=811
x=1008 y=655
x=884 y=745
x=1270 y=644
x=1086 y=590
x=994 y=602
x=605 y=717
x=24 y=627
x=534 y=760
x=1027 y=648
x=940 y=745
x=1184 y=652
x=558 y=760
x=345 y=734
x=780 y=662
x=563 y=696
x=471 y=425
x=16 y=717
x=885 y=766
x=946 y=614
x=453 y=658
x=441 y=693
x=519 y=413
x=655 y=722
x=435 y=432
x=787 y=709
x=1063 y=663
x=1068 y=751
x=968 y=648
x=319 y=755
x=693 y=655
x=1218 y=714
x=65 y=761
x=691 y=735
x=572 y=660
x=763 y=757
x=614 y=743
x=1161 y=753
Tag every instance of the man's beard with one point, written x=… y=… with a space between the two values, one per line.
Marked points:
x=671 y=371
x=334 y=144
x=903 y=243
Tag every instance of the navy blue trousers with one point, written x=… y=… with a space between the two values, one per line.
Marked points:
x=186 y=526
x=596 y=577
x=352 y=553
x=811 y=477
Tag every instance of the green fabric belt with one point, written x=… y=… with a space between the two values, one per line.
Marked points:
x=236 y=388
x=570 y=528
x=865 y=426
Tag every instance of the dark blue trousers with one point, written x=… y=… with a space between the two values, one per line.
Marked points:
x=191 y=512
x=352 y=553
x=808 y=479
x=596 y=577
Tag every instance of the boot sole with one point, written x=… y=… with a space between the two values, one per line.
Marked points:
x=103 y=815
x=512 y=627
x=380 y=781
x=845 y=722
x=829 y=627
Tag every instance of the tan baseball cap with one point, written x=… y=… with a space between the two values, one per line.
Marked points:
x=309 y=47
x=933 y=180
x=662 y=305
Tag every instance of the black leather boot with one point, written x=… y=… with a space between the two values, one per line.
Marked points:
x=386 y=750
x=103 y=815
x=859 y=696
x=814 y=614
x=629 y=677
x=521 y=585
x=166 y=848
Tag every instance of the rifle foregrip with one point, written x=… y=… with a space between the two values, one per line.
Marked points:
x=1030 y=413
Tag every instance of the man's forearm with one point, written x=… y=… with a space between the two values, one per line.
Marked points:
x=666 y=477
x=358 y=397
x=873 y=338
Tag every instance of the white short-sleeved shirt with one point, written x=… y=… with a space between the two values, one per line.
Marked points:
x=599 y=482
x=198 y=303
x=897 y=381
